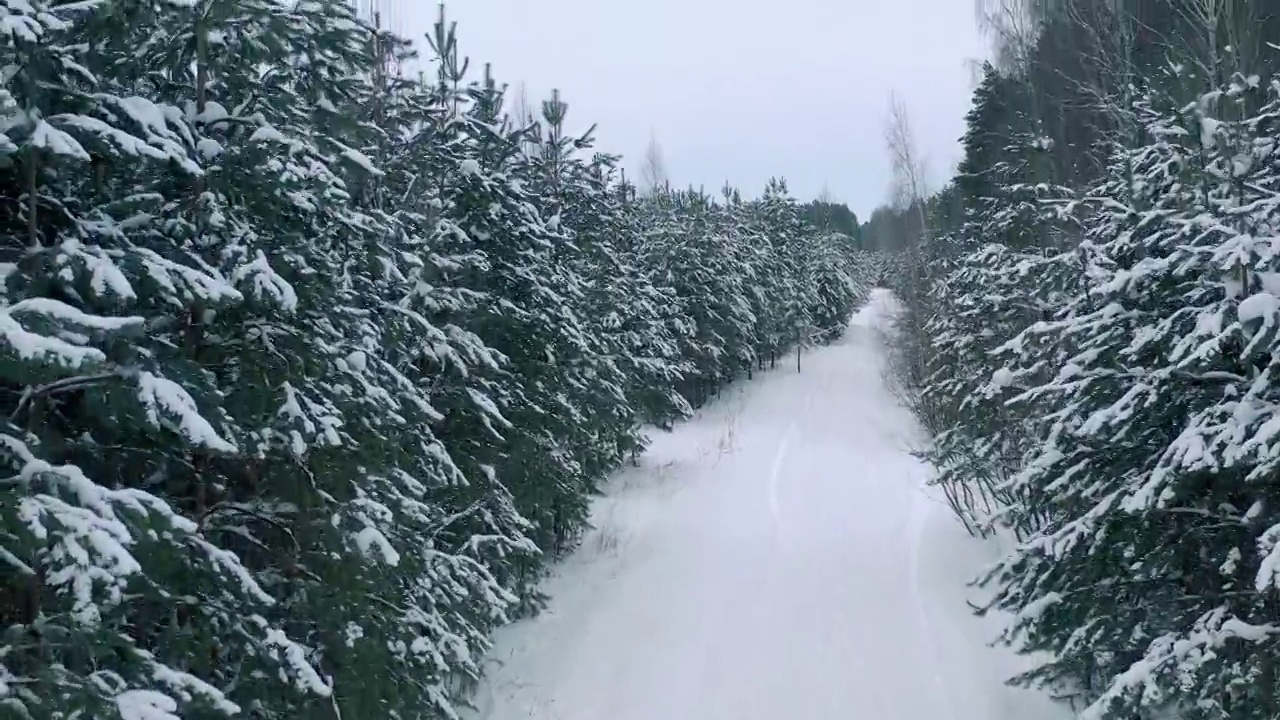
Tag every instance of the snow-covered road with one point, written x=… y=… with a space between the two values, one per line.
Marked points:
x=774 y=558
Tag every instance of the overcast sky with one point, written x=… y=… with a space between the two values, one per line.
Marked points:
x=737 y=89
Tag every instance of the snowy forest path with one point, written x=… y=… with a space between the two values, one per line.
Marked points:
x=777 y=556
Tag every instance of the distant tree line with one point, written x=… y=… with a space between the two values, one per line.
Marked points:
x=831 y=216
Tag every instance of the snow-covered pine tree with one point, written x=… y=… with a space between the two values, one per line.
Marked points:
x=478 y=559
x=128 y=603
x=575 y=192
x=653 y=325
x=403 y=611
x=581 y=195
x=1146 y=573
x=534 y=324
x=298 y=345
x=837 y=283
x=1009 y=265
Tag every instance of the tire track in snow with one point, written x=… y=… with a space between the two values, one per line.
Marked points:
x=792 y=434
x=919 y=515
x=780 y=456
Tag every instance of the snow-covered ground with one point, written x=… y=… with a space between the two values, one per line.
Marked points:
x=774 y=558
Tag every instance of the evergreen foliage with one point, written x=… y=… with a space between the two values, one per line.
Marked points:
x=1099 y=352
x=309 y=369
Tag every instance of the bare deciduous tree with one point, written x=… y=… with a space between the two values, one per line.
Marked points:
x=825 y=201
x=1012 y=28
x=825 y=196
x=521 y=115
x=1225 y=37
x=521 y=109
x=910 y=196
x=654 y=171
x=910 y=187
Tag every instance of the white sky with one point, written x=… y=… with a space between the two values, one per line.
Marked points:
x=736 y=89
